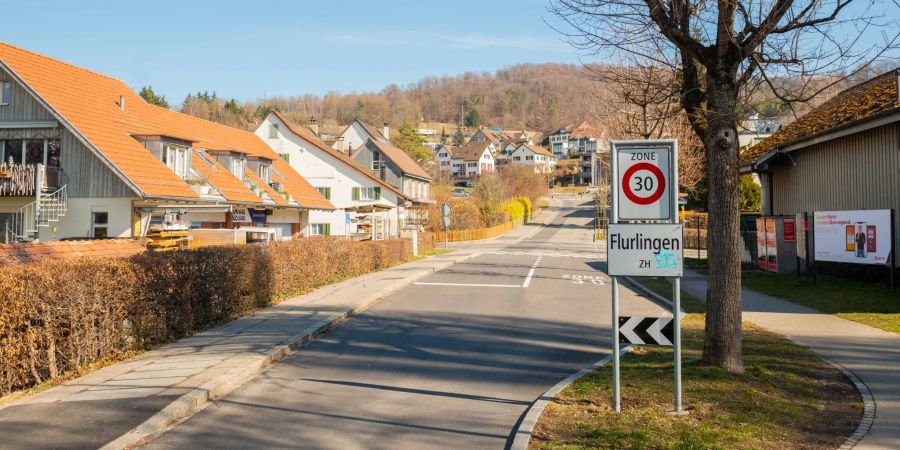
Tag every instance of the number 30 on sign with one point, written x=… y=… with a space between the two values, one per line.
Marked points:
x=643 y=174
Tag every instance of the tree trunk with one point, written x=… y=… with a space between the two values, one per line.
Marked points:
x=722 y=344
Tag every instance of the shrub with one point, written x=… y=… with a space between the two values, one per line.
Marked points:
x=58 y=316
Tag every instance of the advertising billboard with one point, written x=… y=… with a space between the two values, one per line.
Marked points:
x=855 y=237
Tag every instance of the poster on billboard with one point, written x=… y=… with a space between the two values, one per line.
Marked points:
x=771 y=245
x=761 y=243
x=855 y=237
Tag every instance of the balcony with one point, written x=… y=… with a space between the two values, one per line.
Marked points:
x=21 y=180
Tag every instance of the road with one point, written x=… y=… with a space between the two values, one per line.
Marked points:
x=450 y=362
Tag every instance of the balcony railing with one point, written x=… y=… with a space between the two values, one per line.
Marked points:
x=21 y=180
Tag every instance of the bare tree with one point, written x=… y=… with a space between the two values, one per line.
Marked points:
x=643 y=101
x=722 y=49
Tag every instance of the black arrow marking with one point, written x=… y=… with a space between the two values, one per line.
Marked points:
x=641 y=330
x=668 y=331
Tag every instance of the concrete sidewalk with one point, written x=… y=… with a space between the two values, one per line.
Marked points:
x=121 y=404
x=872 y=354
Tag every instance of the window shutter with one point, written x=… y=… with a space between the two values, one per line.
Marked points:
x=328 y=193
x=327 y=229
x=378 y=193
x=356 y=193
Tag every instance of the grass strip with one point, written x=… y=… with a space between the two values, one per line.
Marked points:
x=787 y=398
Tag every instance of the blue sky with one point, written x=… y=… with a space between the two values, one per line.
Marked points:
x=247 y=50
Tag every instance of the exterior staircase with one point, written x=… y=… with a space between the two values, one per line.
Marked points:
x=50 y=205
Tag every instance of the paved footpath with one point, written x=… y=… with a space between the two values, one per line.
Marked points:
x=872 y=354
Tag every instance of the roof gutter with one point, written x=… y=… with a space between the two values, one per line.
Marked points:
x=71 y=128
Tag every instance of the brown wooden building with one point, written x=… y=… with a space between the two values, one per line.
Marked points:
x=842 y=155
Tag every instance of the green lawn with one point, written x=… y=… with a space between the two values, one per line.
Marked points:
x=787 y=398
x=870 y=303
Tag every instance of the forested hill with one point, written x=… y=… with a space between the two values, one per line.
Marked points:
x=532 y=96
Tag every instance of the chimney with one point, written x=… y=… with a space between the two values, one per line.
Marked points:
x=122 y=103
x=387 y=131
x=314 y=125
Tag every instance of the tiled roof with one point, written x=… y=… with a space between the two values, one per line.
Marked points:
x=863 y=101
x=537 y=149
x=401 y=159
x=221 y=179
x=90 y=103
x=48 y=251
x=471 y=151
x=310 y=137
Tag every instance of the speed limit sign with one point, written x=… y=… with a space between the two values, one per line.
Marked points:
x=645 y=173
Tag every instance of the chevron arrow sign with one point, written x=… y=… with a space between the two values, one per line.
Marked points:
x=645 y=330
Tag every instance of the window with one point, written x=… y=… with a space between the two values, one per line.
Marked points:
x=4 y=93
x=286 y=157
x=264 y=173
x=13 y=151
x=34 y=152
x=237 y=167
x=273 y=131
x=178 y=159
x=376 y=161
x=320 y=229
x=206 y=159
x=517 y=158
x=100 y=224
x=366 y=194
x=325 y=191
x=529 y=158
x=471 y=164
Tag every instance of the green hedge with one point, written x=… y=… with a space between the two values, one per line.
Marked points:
x=62 y=315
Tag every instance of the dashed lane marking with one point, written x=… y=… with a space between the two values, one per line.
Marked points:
x=531 y=272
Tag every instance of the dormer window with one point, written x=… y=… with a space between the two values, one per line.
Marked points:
x=178 y=159
x=264 y=172
x=4 y=93
x=237 y=167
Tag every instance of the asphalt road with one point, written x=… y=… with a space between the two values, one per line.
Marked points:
x=450 y=362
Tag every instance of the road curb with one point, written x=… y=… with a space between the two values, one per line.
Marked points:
x=198 y=398
x=869 y=407
x=522 y=435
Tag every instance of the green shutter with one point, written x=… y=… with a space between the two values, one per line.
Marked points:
x=356 y=193
x=328 y=193
x=377 y=193
x=327 y=229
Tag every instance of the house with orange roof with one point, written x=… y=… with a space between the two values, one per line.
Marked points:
x=842 y=155
x=365 y=206
x=85 y=157
x=534 y=155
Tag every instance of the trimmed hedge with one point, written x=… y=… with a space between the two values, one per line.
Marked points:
x=62 y=315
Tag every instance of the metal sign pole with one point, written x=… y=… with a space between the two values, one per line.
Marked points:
x=613 y=203
x=676 y=285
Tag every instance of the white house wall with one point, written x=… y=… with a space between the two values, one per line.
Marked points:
x=77 y=221
x=322 y=170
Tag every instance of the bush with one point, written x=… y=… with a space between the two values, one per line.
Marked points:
x=58 y=316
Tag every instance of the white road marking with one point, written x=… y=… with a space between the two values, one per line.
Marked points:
x=531 y=272
x=469 y=284
x=553 y=255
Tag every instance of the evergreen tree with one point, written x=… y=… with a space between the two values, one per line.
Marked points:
x=458 y=137
x=409 y=140
x=150 y=97
x=445 y=138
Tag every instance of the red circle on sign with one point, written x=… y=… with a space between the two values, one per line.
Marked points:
x=661 y=183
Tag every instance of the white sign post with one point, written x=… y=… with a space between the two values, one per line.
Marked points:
x=644 y=187
x=445 y=222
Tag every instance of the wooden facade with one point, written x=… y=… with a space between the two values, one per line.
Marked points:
x=85 y=174
x=857 y=171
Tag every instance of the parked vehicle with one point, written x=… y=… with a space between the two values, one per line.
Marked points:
x=461 y=192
